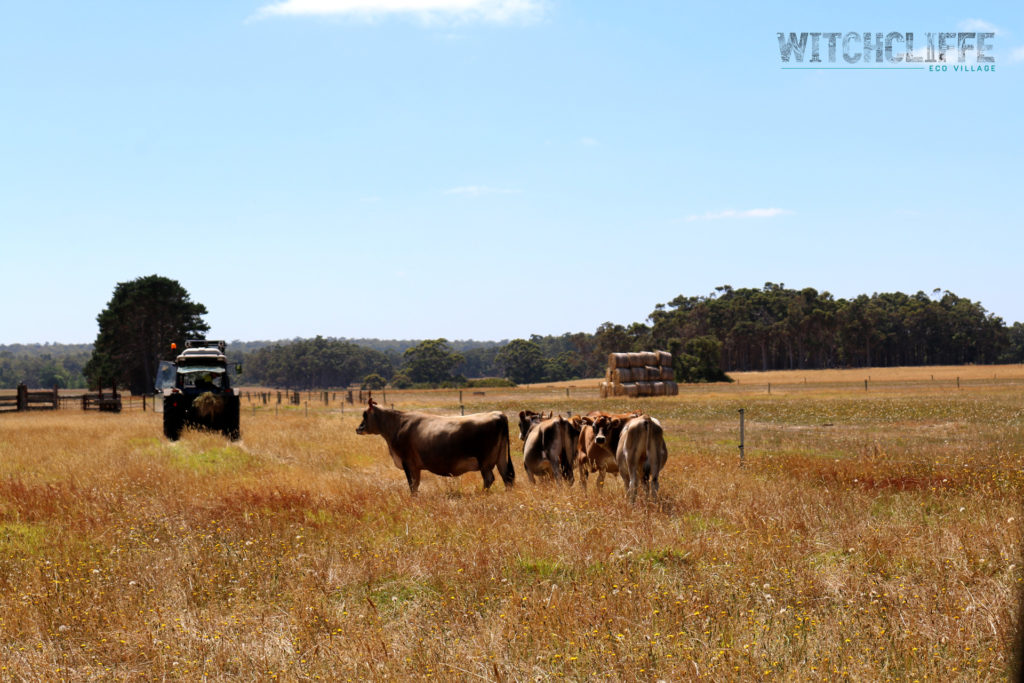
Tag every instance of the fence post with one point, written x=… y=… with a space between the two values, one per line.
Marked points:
x=22 y=399
x=741 y=437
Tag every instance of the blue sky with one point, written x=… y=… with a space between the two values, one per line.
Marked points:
x=490 y=169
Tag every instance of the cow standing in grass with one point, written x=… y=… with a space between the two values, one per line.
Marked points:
x=641 y=454
x=446 y=446
x=595 y=447
x=548 y=446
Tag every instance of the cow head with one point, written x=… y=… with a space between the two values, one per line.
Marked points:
x=604 y=427
x=527 y=420
x=369 y=425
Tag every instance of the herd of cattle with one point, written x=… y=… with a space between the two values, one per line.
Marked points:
x=630 y=444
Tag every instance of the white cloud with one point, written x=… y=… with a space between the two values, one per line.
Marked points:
x=732 y=213
x=978 y=26
x=478 y=190
x=498 y=11
x=1017 y=54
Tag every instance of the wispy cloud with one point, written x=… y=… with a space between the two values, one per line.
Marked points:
x=732 y=213
x=495 y=11
x=978 y=26
x=589 y=142
x=479 y=190
x=1017 y=54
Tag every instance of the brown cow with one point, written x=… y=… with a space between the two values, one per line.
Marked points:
x=447 y=446
x=548 y=448
x=595 y=446
x=641 y=452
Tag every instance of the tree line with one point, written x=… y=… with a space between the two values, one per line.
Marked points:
x=44 y=365
x=767 y=328
x=775 y=328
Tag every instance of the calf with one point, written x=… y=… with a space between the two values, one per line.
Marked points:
x=641 y=453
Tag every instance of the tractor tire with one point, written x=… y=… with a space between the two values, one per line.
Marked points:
x=172 y=423
x=231 y=418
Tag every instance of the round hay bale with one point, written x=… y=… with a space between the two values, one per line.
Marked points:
x=208 y=406
x=645 y=388
x=618 y=360
x=652 y=372
x=635 y=361
x=650 y=358
x=667 y=372
x=665 y=358
x=624 y=374
x=671 y=388
x=631 y=389
x=659 y=388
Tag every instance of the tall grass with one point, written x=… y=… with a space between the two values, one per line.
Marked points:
x=871 y=534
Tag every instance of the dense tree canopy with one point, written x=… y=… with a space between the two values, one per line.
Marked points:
x=777 y=328
x=743 y=329
x=522 y=360
x=44 y=365
x=313 y=363
x=430 y=362
x=141 y=321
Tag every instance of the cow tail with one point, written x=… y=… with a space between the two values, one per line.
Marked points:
x=508 y=472
x=647 y=446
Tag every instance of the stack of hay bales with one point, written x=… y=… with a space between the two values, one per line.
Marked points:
x=644 y=373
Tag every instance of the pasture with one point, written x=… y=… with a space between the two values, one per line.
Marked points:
x=872 y=534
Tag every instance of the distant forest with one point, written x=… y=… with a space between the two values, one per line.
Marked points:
x=770 y=328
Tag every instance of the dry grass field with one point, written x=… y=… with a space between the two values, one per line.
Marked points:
x=874 y=533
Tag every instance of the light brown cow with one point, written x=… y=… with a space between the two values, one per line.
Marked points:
x=641 y=454
x=548 y=449
x=447 y=446
x=595 y=446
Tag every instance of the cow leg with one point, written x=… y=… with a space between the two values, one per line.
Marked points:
x=488 y=475
x=600 y=479
x=556 y=467
x=583 y=477
x=412 y=475
x=634 y=477
x=645 y=479
x=530 y=465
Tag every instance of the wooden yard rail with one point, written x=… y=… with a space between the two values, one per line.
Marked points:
x=30 y=400
x=105 y=403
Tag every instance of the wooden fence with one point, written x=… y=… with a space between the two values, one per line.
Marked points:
x=24 y=399
x=109 y=402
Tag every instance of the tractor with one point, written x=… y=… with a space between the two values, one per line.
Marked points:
x=197 y=391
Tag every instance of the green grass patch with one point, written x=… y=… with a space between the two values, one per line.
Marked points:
x=19 y=538
x=225 y=459
x=543 y=568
